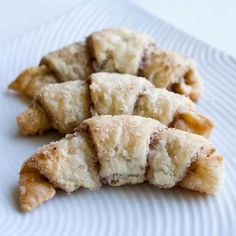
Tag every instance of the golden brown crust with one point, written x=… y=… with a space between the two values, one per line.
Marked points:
x=193 y=122
x=118 y=50
x=115 y=94
x=31 y=80
x=122 y=144
x=177 y=73
x=69 y=63
x=172 y=153
x=68 y=104
x=33 y=121
x=121 y=150
x=162 y=105
x=33 y=188
x=69 y=163
x=198 y=177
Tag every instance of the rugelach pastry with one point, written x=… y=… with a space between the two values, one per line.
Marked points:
x=113 y=50
x=118 y=150
x=63 y=106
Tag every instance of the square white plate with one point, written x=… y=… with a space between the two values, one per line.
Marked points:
x=129 y=210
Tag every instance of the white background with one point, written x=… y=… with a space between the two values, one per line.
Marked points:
x=212 y=21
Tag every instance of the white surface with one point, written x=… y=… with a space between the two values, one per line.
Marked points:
x=212 y=21
x=129 y=210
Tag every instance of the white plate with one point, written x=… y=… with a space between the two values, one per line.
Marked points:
x=128 y=210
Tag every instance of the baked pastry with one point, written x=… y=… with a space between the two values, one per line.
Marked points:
x=113 y=50
x=118 y=150
x=63 y=106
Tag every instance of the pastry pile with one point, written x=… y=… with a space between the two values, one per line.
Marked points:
x=127 y=110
